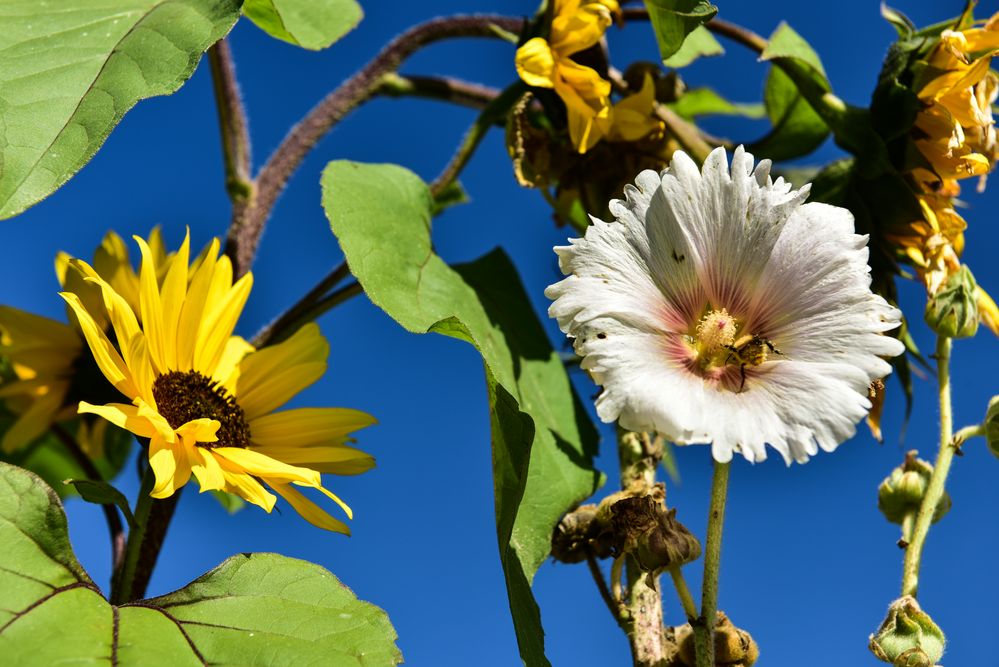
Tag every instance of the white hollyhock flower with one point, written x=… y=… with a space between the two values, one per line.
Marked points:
x=720 y=308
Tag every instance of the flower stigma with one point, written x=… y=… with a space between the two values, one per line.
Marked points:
x=185 y=396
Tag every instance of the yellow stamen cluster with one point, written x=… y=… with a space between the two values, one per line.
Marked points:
x=715 y=333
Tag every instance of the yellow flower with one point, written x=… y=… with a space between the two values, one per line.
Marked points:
x=45 y=354
x=632 y=118
x=955 y=132
x=206 y=399
x=577 y=25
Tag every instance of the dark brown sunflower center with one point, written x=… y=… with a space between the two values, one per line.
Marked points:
x=183 y=396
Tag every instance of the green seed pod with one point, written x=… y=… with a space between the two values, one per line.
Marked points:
x=901 y=492
x=908 y=637
x=992 y=425
x=953 y=310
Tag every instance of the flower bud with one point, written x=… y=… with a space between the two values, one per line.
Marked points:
x=908 y=637
x=992 y=425
x=653 y=537
x=901 y=492
x=734 y=647
x=953 y=310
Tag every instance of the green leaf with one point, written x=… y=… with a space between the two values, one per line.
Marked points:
x=102 y=493
x=674 y=20
x=902 y=24
x=311 y=24
x=70 y=70
x=796 y=79
x=700 y=42
x=706 y=102
x=796 y=128
x=543 y=442
x=253 y=609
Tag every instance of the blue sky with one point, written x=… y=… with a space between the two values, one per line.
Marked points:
x=809 y=564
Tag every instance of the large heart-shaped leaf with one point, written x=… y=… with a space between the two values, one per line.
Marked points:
x=543 y=442
x=674 y=20
x=70 y=70
x=311 y=24
x=253 y=609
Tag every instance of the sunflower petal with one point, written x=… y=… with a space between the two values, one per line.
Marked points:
x=309 y=511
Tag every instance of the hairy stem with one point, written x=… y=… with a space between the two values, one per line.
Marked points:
x=250 y=217
x=232 y=122
x=704 y=628
x=285 y=324
x=643 y=603
x=447 y=89
x=115 y=527
x=935 y=487
x=275 y=334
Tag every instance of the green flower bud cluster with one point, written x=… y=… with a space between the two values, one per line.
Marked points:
x=953 y=310
x=734 y=647
x=901 y=493
x=992 y=425
x=908 y=637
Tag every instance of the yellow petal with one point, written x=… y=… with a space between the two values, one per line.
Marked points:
x=536 y=63
x=258 y=465
x=270 y=377
x=199 y=430
x=309 y=511
x=123 y=416
x=227 y=369
x=987 y=310
x=151 y=307
x=193 y=310
x=173 y=293
x=207 y=470
x=105 y=354
x=218 y=327
x=170 y=465
x=247 y=488
x=333 y=459
x=304 y=427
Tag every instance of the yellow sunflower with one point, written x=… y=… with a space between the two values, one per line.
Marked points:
x=577 y=25
x=205 y=399
x=45 y=354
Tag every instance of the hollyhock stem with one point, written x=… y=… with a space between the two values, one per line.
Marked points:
x=935 y=488
x=704 y=628
x=643 y=604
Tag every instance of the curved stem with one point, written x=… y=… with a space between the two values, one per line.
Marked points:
x=941 y=468
x=308 y=313
x=282 y=325
x=448 y=89
x=704 y=628
x=115 y=527
x=613 y=605
x=232 y=122
x=250 y=217
x=494 y=113
x=686 y=599
x=968 y=432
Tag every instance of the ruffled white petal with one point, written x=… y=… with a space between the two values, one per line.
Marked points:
x=692 y=240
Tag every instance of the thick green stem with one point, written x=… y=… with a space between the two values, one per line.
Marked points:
x=232 y=123
x=152 y=518
x=643 y=604
x=938 y=480
x=704 y=628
